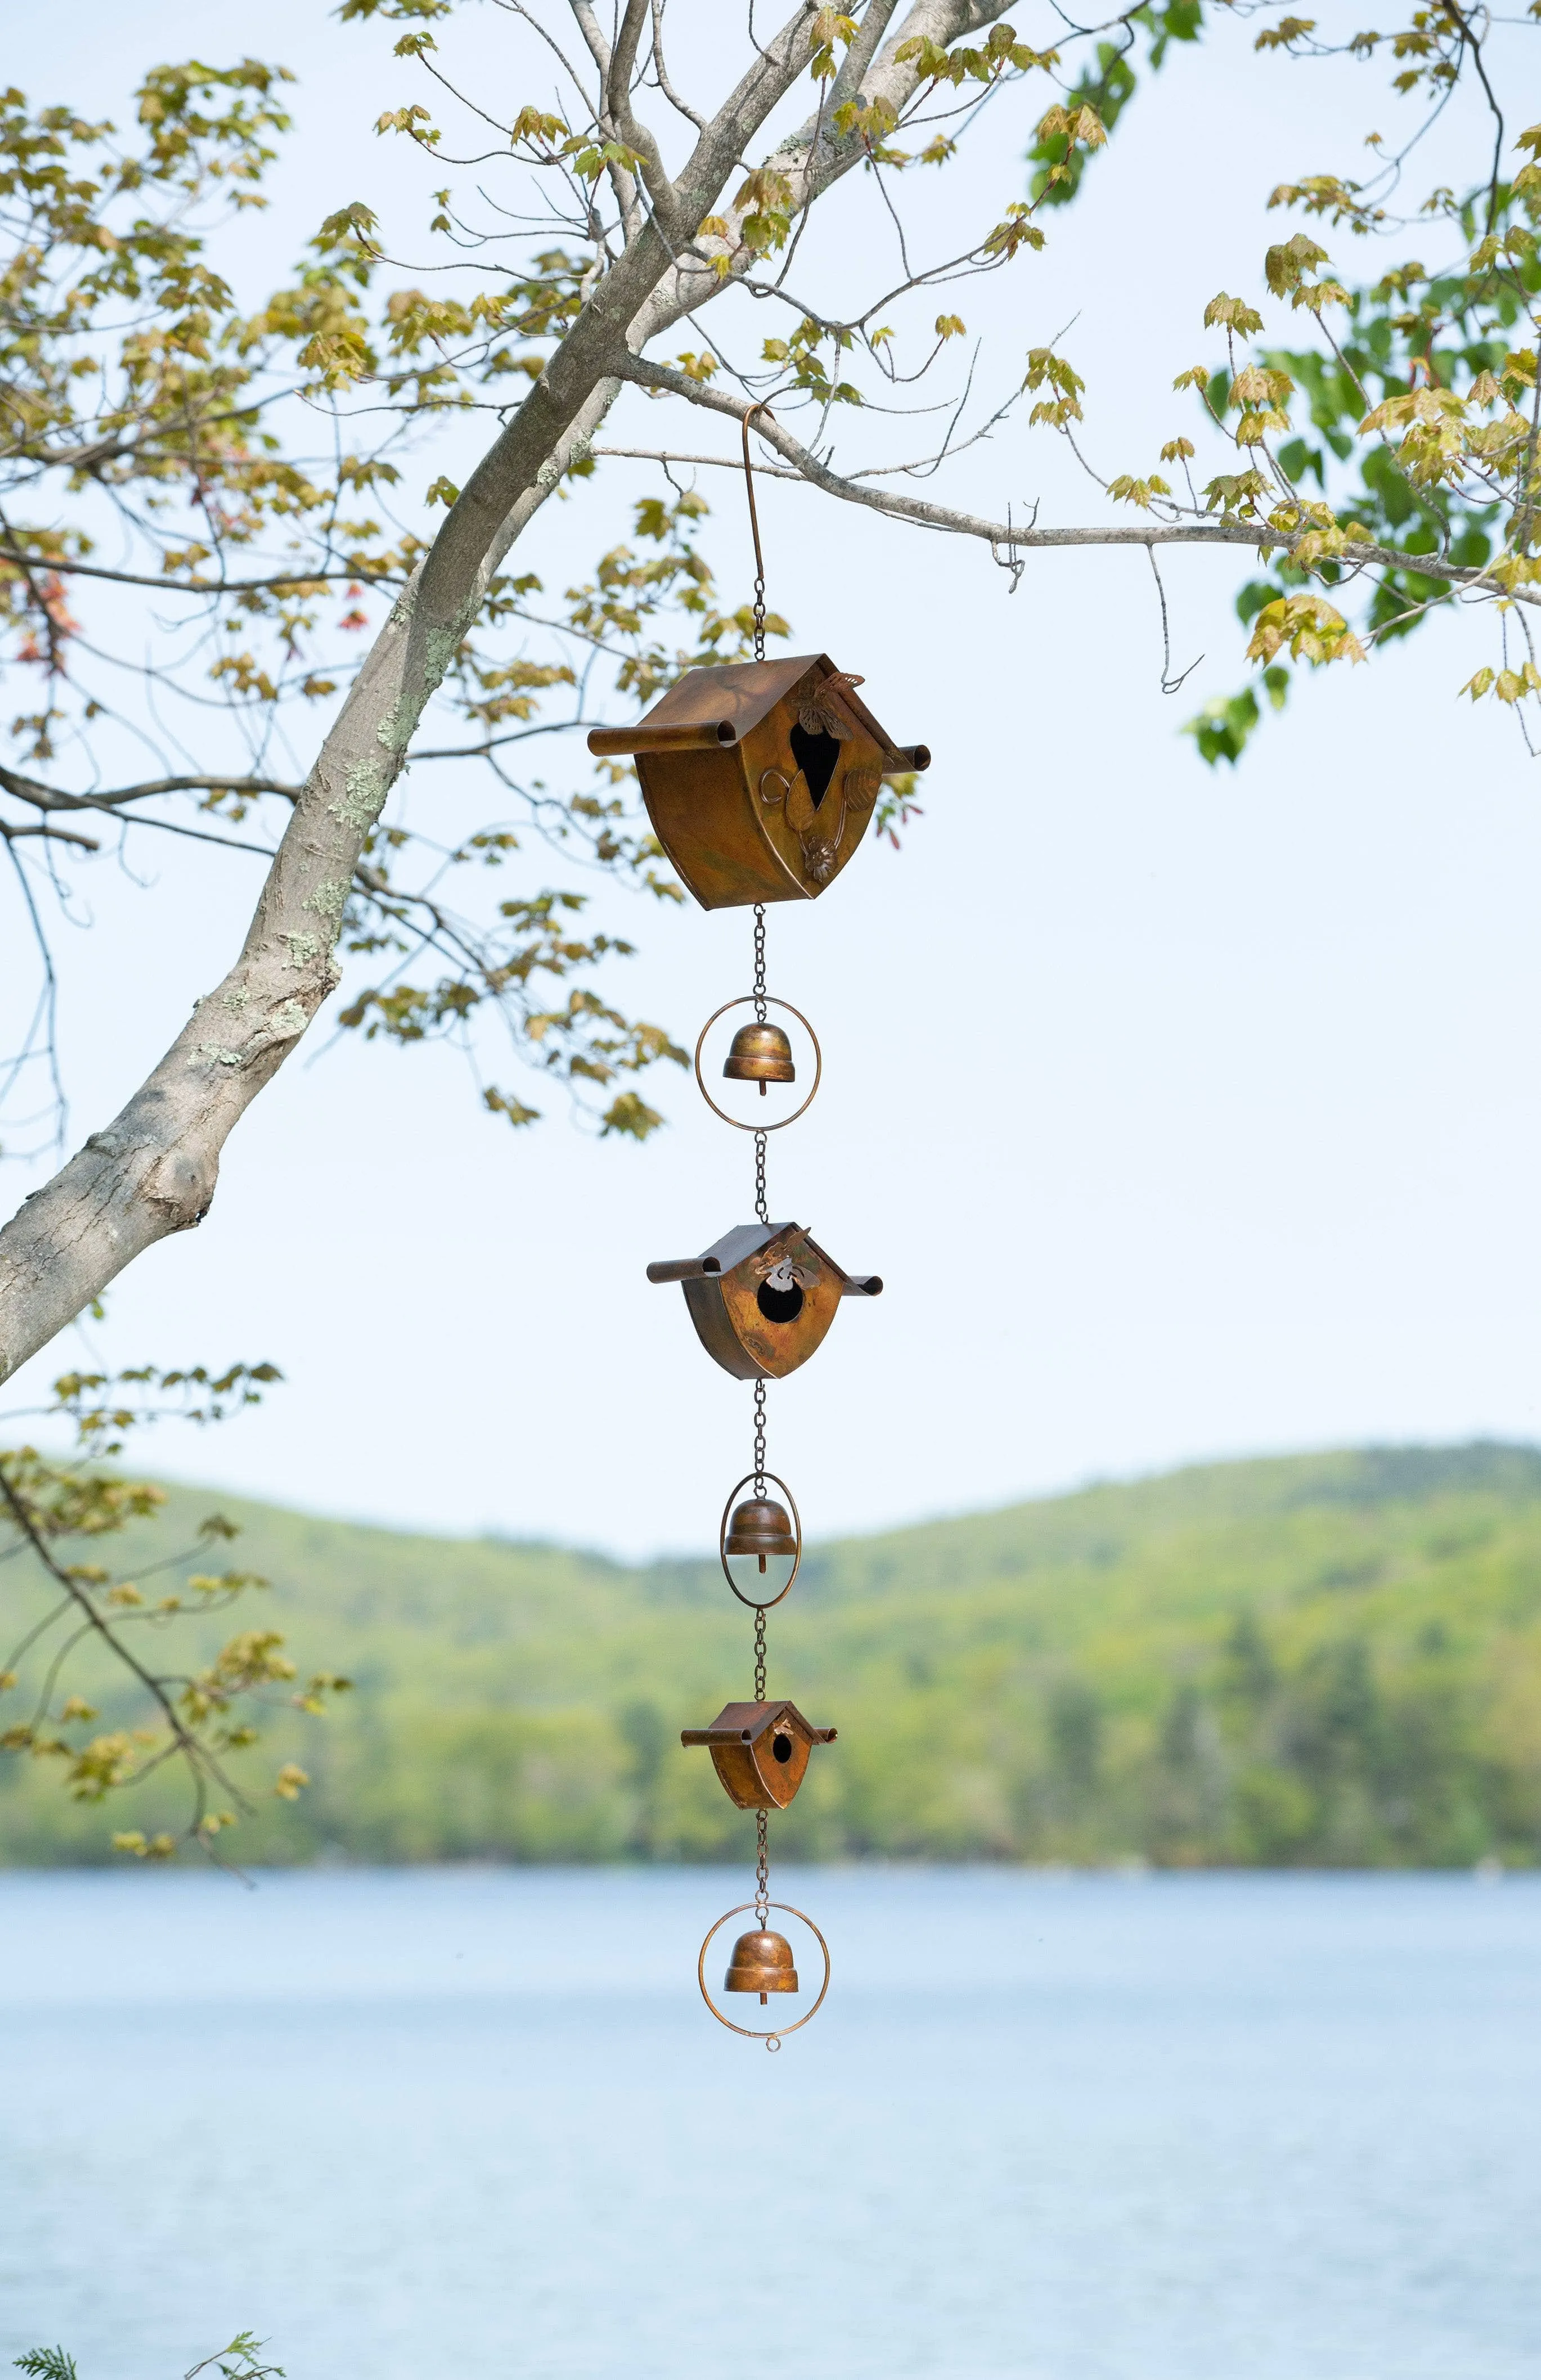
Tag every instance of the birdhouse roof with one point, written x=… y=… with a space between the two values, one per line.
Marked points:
x=747 y=1722
x=743 y=693
x=743 y=1241
x=747 y=1239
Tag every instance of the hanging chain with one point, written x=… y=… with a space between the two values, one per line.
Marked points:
x=763 y=1852
x=754 y=525
x=761 y=1209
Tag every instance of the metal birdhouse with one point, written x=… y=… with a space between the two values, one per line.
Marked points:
x=763 y=1296
x=760 y=1751
x=761 y=776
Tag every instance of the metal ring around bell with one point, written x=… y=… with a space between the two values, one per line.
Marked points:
x=774 y=2037
x=772 y=1600
x=750 y=999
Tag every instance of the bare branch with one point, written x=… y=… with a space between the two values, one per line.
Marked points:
x=44 y=797
x=681 y=107
x=298 y=582
x=1003 y=538
x=49 y=834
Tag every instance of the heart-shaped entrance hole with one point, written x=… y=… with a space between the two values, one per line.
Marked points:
x=817 y=756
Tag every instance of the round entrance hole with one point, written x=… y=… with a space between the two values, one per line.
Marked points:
x=780 y=1304
x=781 y=1747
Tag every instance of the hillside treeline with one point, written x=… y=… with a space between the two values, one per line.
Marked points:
x=1327 y=1660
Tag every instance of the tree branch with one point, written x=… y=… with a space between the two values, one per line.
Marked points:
x=44 y=797
x=49 y=834
x=1003 y=537
x=298 y=581
x=201 y=1764
x=154 y=1170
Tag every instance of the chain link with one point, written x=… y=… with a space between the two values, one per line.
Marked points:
x=762 y=1886
x=761 y=1209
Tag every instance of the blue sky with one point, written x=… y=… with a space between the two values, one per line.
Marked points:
x=1183 y=1114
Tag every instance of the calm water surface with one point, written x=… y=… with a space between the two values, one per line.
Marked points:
x=476 y=2122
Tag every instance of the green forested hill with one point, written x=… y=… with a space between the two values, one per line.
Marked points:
x=1326 y=1658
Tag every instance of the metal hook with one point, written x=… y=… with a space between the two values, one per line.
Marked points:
x=754 y=526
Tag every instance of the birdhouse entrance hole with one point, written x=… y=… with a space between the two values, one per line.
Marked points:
x=783 y=1748
x=817 y=756
x=780 y=1304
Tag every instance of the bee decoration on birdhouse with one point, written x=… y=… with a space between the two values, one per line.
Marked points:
x=761 y=778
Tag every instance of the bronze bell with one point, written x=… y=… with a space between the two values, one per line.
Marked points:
x=761 y=1962
x=761 y=1526
x=760 y=1053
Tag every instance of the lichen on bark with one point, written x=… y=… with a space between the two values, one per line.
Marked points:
x=365 y=787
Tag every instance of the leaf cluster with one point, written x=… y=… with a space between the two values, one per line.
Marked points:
x=70 y=1610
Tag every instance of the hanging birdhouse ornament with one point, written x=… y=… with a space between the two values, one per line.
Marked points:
x=759 y=779
x=760 y=1751
x=763 y=1296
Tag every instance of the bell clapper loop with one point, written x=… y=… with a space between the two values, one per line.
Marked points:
x=760 y=1053
x=763 y=1963
x=764 y=1527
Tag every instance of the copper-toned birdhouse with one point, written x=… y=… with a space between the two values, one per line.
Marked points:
x=763 y=1296
x=760 y=1751
x=760 y=777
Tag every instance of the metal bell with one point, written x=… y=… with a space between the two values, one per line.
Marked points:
x=761 y=1526
x=760 y=1053
x=761 y=1962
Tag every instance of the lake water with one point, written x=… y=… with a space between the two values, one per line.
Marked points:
x=476 y=2123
